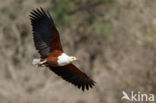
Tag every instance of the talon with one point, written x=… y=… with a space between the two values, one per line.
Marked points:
x=41 y=63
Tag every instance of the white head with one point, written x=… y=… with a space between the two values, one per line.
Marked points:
x=64 y=59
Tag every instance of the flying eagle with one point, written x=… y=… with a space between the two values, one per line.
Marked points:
x=47 y=42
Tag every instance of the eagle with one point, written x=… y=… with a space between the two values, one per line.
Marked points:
x=47 y=42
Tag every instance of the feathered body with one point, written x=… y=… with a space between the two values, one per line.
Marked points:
x=47 y=42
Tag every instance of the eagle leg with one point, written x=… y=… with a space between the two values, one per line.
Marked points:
x=42 y=62
x=39 y=62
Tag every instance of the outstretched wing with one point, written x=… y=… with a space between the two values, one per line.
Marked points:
x=73 y=75
x=45 y=35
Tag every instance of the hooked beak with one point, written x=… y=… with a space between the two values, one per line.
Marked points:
x=74 y=58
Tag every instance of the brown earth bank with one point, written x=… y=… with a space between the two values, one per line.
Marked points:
x=115 y=41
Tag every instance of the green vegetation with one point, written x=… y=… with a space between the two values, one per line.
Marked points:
x=115 y=41
x=74 y=13
x=61 y=10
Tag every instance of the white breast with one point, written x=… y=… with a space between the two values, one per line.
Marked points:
x=64 y=59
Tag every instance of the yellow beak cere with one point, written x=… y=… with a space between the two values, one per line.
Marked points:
x=74 y=58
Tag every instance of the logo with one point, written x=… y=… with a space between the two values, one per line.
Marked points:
x=140 y=97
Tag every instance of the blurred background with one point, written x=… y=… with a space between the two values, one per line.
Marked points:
x=115 y=41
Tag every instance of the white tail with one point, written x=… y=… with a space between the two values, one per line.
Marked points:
x=36 y=61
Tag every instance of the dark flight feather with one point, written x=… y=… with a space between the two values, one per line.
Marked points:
x=45 y=34
x=47 y=41
x=73 y=75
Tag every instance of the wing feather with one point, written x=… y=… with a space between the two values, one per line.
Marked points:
x=45 y=34
x=73 y=75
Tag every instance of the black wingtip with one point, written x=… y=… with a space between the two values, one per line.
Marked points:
x=37 y=13
x=86 y=85
x=82 y=83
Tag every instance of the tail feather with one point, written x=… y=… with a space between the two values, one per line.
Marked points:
x=35 y=61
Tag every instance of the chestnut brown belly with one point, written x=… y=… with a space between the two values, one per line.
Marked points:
x=52 y=63
x=53 y=58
